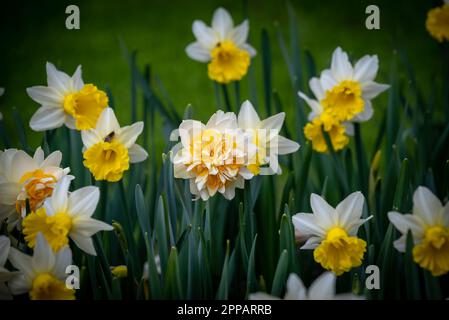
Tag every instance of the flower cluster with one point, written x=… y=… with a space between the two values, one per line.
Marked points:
x=220 y=155
x=343 y=95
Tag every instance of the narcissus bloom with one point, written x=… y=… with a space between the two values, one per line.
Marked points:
x=345 y=92
x=66 y=100
x=323 y=288
x=332 y=233
x=429 y=225
x=43 y=275
x=336 y=131
x=66 y=215
x=5 y=275
x=27 y=179
x=214 y=156
x=109 y=149
x=266 y=138
x=437 y=22
x=223 y=46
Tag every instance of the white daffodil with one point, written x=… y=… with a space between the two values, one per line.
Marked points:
x=344 y=92
x=429 y=225
x=109 y=149
x=214 y=156
x=43 y=275
x=66 y=100
x=266 y=137
x=332 y=233
x=223 y=46
x=323 y=288
x=5 y=275
x=24 y=178
x=66 y=215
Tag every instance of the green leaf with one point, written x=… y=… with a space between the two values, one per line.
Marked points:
x=251 y=279
x=411 y=271
x=223 y=287
x=172 y=284
x=280 y=275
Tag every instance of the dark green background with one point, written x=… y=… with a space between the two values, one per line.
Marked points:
x=33 y=32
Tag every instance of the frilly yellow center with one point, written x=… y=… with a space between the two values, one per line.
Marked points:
x=229 y=63
x=433 y=252
x=48 y=287
x=313 y=131
x=344 y=101
x=38 y=186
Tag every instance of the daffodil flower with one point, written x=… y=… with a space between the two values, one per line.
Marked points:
x=332 y=233
x=437 y=22
x=66 y=100
x=266 y=137
x=43 y=275
x=344 y=91
x=214 y=156
x=5 y=275
x=429 y=225
x=337 y=132
x=222 y=46
x=66 y=215
x=109 y=149
x=323 y=288
x=24 y=178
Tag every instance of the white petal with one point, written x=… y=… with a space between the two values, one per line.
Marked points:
x=323 y=288
x=198 y=52
x=70 y=122
x=248 y=117
x=87 y=227
x=84 y=243
x=316 y=107
x=107 y=123
x=204 y=34
x=47 y=118
x=137 y=154
x=4 y=249
x=240 y=33
x=274 y=122
x=63 y=258
x=405 y=222
x=59 y=198
x=9 y=192
x=372 y=89
x=46 y=96
x=57 y=79
x=286 y=146
x=43 y=257
x=426 y=205
x=90 y=137
x=77 y=79
x=401 y=243
x=53 y=160
x=129 y=134
x=295 y=288
x=222 y=23
x=366 y=68
x=19 y=284
x=340 y=66
x=22 y=163
x=366 y=114
x=252 y=52
x=261 y=296
x=39 y=155
x=306 y=225
x=317 y=89
x=325 y=215
x=311 y=243
x=350 y=209
x=327 y=80
x=83 y=201
x=21 y=262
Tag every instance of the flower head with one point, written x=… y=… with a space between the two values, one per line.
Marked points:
x=27 y=179
x=223 y=46
x=66 y=215
x=323 y=288
x=43 y=275
x=336 y=131
x=332 y=233
x=213 y=156
x=265 y=135
x=109 y=149
x=429 y=225
x=437 y=22
x=66 y=100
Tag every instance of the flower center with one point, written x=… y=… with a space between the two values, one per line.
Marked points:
x=437 y=22
x=433 y=252
x=340 y=252
x=86 y=106
x=107 y=160
x=313 y=131
x=344 y=100
x=229 y=63
x=54 y=228
x=47 y=287
x=37 y=186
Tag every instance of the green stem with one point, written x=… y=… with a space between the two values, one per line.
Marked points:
x=338 y=165
x=226 y=97
x=361 y=159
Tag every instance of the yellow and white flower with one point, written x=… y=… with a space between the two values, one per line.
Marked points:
x=437 y=22
x=266 y=138
x=214 y=156
x=66 y=215
x=323 y=288
x=429 y=225
x=332 y=233
x=66 y=100
x=109 y=149
x=43 y=275
x=223 y=46
x=5 y=275
x=344 y=91
x=27 y=179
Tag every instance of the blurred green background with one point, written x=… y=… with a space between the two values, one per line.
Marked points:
x=33 y=32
